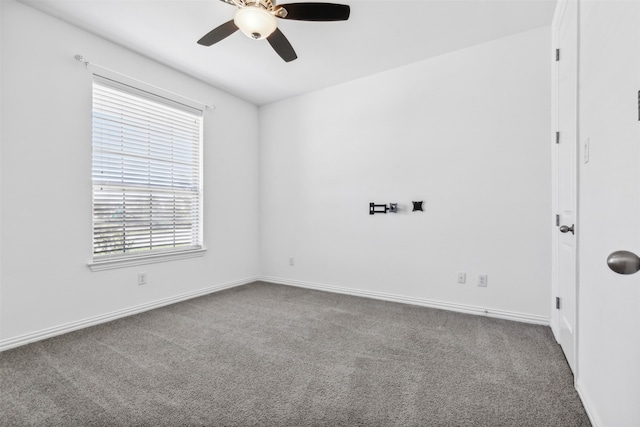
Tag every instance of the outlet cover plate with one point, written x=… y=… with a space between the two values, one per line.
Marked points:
x=142 y=278
x=482 y=280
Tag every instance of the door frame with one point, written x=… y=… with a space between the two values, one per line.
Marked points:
x=555 y=287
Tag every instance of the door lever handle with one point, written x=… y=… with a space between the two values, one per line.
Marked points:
x=565 y=229
x=624 y=262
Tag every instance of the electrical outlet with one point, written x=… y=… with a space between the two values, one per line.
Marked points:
x=142 y=278
x=291 y=261
x=462 y=277
x=482 y=280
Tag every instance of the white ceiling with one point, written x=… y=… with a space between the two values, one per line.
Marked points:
x=379 y=35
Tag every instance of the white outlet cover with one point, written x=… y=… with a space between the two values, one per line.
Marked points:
x=482 y=280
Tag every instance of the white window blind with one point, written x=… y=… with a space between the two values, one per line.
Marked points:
x=146 y=173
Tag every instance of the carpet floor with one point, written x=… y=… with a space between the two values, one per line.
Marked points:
x=273 y=355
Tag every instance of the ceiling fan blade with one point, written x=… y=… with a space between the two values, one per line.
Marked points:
x=316 y=11
x=218 y=33
x=281 y=45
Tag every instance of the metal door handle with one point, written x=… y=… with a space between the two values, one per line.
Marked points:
x=564 y=229
x=624 y=262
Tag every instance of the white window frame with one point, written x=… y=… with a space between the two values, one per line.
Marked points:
x=150 y=93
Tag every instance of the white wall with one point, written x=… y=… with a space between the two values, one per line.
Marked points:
x=46 y=181
x=467 y=132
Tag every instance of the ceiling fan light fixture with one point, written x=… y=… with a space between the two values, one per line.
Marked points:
x=255 y=22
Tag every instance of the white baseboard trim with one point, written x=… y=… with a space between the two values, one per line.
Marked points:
x=6 y=344
x=20 y=340
x=461 y=308
x=589 y=407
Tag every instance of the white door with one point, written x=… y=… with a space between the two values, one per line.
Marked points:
x=609 y=304
x=566 y=79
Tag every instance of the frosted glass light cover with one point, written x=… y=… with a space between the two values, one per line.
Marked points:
x=255 y=22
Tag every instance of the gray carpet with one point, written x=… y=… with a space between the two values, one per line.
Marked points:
x=272 y=355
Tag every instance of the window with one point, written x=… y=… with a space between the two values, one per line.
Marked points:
x=146 y=174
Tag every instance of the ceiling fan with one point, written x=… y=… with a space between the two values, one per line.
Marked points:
x=257 y=20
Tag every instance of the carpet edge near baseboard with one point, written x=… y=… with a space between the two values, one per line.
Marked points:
x=443 y=305
x=42 y=334
x=31 y=337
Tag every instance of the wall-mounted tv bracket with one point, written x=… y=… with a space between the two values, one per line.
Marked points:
x=374 y=209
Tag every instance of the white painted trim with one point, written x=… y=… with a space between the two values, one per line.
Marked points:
x=6 y=344
x=109 y=264
x=578 y=216
x=561 y=7
x=107 y=317
x=589 y=407
x=443 y=305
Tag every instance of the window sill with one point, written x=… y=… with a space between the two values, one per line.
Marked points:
x=110 y=264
